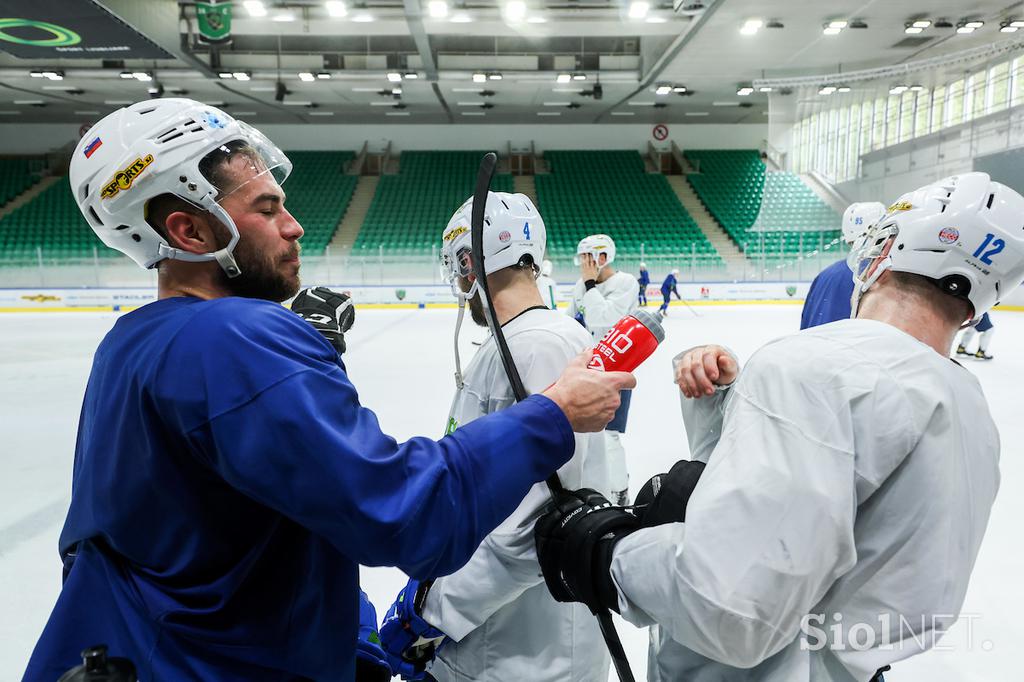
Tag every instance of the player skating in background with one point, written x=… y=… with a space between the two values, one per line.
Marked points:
x=983 y=330
x=668 y=287
x=602 y=296
x=546 y=285
x=644 y=280
x=828 y=299
x=493 y=620
x=850 y=473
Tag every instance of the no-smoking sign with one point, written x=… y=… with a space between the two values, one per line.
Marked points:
x=660 y=132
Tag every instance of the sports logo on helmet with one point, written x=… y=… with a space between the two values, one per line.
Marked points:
x=504 y=236
x=461 y=229
x=124 y=178
x=949 y=235
x=900 y=206
x=213 y=120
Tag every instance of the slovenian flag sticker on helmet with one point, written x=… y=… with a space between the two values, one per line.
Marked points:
x=92 y=147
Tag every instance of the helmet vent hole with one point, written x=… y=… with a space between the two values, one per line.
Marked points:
x=136 y=237
x=95 y=218
x=176 y=134
x=991 y=198
x=943 y=209
x=121 y=227
x=146 y=111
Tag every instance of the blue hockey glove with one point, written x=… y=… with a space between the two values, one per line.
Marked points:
x=409 y=641
x=371 y=661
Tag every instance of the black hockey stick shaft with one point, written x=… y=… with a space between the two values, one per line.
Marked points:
x=483 y=186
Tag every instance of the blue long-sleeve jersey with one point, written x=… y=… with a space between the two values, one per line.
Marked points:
x=645 y=278
x=828 y=299
x=227 y=483
x=669 y=285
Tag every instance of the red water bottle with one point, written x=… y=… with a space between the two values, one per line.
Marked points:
x=628 y=343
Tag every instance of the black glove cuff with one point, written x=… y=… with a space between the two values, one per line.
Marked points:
x=604 y=586
x=663 y=499
x=590 y=284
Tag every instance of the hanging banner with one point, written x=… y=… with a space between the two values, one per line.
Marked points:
x=214 y=19
x=70 y=29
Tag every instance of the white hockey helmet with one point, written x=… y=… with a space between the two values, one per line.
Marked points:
x=643 y=266
x=965 y=232
x=513 y=230
x=546 y=268
x=859 y=217
x=595 y=245
x=158 y=147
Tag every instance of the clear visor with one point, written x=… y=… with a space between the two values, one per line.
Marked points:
x=239 y=163
x=870 y=246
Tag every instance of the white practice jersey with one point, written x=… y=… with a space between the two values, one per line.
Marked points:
x=605 y=304
x=546 y=286
x=497 y=609
x=851 y=472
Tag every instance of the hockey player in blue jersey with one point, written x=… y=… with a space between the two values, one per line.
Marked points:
x=668 y=287
x=645 y=281
x=984 y=331
x=227 y=482
x=828 y=299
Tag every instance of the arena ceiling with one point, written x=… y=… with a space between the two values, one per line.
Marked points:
x=694 y=49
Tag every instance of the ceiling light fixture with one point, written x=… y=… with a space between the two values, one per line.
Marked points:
x=515 y=10
x=363 y=18
x=974 y=24
x=843 y=88
x=827 y=90
x=696 y=113
x=461 y=19
x=141 y=76
x=323 y=76
x=283 y=17
x=898 y=89
x=579 y=76
x=479 y=77
x=744 y=91
x=336 y=8
x=679 y=89
x=241 y=76
x=306 y=77
x=663 y=90
x=751 y=27
x=394 y=77
x=536 y=19
x=911 y=29
x=494 y=76
x=921 y=23
x=411 y=76
x=222 y=74
x=438 y=9
x=638 y=9
x=563 y=78
x=255 y=8
x=1008 y=27
x=764 y=88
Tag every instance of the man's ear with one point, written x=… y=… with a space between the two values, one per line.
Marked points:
x=189 y=232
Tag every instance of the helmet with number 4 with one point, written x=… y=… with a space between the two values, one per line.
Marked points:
x=513 y=231
x=595 y=245
x=164 y=146
x=859 y=217
x=966 y=232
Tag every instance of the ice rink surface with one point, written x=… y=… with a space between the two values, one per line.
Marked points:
x=401 y=362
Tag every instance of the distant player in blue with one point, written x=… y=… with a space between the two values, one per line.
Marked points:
x=668 y=287
x=227 y=482
x=828 y=299
x=645 y=281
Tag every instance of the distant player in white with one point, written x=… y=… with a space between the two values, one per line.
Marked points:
x=546 y=285
x=851 y=469
x=602 y=297
x=493 y=619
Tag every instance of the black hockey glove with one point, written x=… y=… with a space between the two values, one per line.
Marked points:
x=331 y=313
x=575 y=536
x=663 y=499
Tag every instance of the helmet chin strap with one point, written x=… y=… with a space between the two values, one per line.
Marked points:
x=860 y=288
x=463 y=296
x=225 y=257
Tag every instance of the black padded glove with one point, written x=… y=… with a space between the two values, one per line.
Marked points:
x=663 y=499
x=331 y=313
x=575 y=537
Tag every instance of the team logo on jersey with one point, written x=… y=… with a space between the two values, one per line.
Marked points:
x=92 y=147
x=461 y=229
x=123 y=179
x=900 y=206
x=949 y=235
x=451 y=426
x=504 y=236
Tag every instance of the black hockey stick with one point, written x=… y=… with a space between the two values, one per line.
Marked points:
x=483 y=186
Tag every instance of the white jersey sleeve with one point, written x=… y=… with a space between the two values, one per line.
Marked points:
x=505 y=565
x=770 y=527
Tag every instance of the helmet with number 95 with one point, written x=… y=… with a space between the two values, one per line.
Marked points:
x=964 y=232
x=859 y=217
x=513 y=233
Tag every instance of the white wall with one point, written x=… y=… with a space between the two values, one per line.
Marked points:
x=39 y=138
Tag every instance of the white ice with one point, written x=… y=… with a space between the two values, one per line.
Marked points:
x=401 y=362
